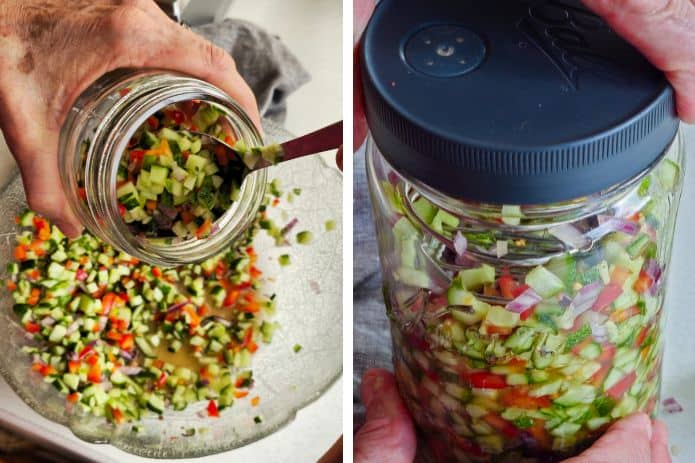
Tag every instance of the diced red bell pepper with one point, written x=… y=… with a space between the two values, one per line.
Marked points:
x=618 y=389
x=73 y=397
x=161 y=381
x=519 y=289
x=73 y=365
x=156 y=272
x=32 y=327
x=519 y=398
x=117 y=415
x=94 y=374
x=177 y=116
x=643 y=283
x=619 y=275
x=213 y=411
x=501 y=425
x=127 y=342
x=485 y=380
x=86 y=350
x=526 y=314
x=121 y=210
x=608 y=294
x=107 y=302
x=507 y=285
x=153 y=122
x=642 y=336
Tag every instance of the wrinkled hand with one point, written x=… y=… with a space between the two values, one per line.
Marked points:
x=52 y=50
x=662 y=30
x=388 y=435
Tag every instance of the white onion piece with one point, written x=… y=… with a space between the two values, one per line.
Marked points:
x=72 y=327
x=586 y=297
x=569 y=234
x=524 y=301
x=129 y=370
x=502 y=248
x=102 y=323
x=48 y=321
x=460 y=243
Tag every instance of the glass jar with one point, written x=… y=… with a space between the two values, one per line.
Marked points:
x=95 y=135
x=541 y=326
x=525 y=168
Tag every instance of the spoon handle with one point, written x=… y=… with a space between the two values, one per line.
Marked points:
x=325 y=139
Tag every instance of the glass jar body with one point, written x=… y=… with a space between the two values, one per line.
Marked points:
x=525 y=331
x=95 y=135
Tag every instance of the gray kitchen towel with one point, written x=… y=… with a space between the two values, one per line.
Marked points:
x=265 y=63
x=371 y=338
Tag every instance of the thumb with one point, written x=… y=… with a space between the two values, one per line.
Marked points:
x=388 y=436
x=661 y=30
x=627 y=441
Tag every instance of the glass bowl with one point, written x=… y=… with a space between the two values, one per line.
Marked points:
x=309 y=295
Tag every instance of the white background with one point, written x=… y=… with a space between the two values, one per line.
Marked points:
x=312 y=30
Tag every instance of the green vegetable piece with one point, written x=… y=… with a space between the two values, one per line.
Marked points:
x=578 y=336
x=523 y=422
x=473 y=279
x=284 y=260
x=296 y=348
x=330 y=225
x=304 y=237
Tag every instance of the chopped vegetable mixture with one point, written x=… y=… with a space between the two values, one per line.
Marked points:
x=119 y=337
x=500 y=362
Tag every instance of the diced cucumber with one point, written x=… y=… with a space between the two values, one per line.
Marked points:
x=544 y=282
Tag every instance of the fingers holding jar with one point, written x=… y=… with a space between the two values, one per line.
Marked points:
x=46 y=66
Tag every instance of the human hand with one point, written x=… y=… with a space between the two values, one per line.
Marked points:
x=659 y=29
x=52 y=50
x=388 y=435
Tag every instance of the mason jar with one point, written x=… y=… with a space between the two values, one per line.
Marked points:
x=95 y=136
x=524 y=217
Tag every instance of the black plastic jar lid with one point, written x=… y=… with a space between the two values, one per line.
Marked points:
x=511 y=101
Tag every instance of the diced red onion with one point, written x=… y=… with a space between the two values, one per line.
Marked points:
x=569 y=234
x=597 y=322
x=130 y=370
x=167 y=211
x=614 y=224
x=290 y=225
x=671 y=405
x=202 y=413
x=565 y=300
x=652 y=269
x=502 y=248
x=215 y=228
x=72 y=327
x=102 y=323
x=524 y=301
x=48 y=321
x=179 y=175
x=176 y=306
x=393 y=178
x=128 y=355
x=586 y=297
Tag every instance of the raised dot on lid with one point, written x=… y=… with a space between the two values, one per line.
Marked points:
x=445 y=50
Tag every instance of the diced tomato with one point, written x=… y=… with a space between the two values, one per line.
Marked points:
x=493 y=329
x=501 y=425
x=82 y=193
x=608 y=294
x=32 y=327
x=254 y=272
x=252 y=347
x=156 y=272
x=643 y=283
x=221 y=155
x=159 y=363
x=73 y=397
x=230 y=140
x=618 y=389
x=121 y=210
x=519 y=289
x=485 y=380
x=248 y=336
x=92 y=359
x=213 y=411
x=526 y=314
x=240 y=394
x=11 y=285
x=151 y=205
x=124 y=91
x=275 y=202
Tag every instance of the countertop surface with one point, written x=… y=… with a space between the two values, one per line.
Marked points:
x=318 y=103
x=679 y=363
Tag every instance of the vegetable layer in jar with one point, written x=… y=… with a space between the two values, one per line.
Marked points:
x=520 y=334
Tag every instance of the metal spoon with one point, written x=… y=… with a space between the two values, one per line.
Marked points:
x=325 y=139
